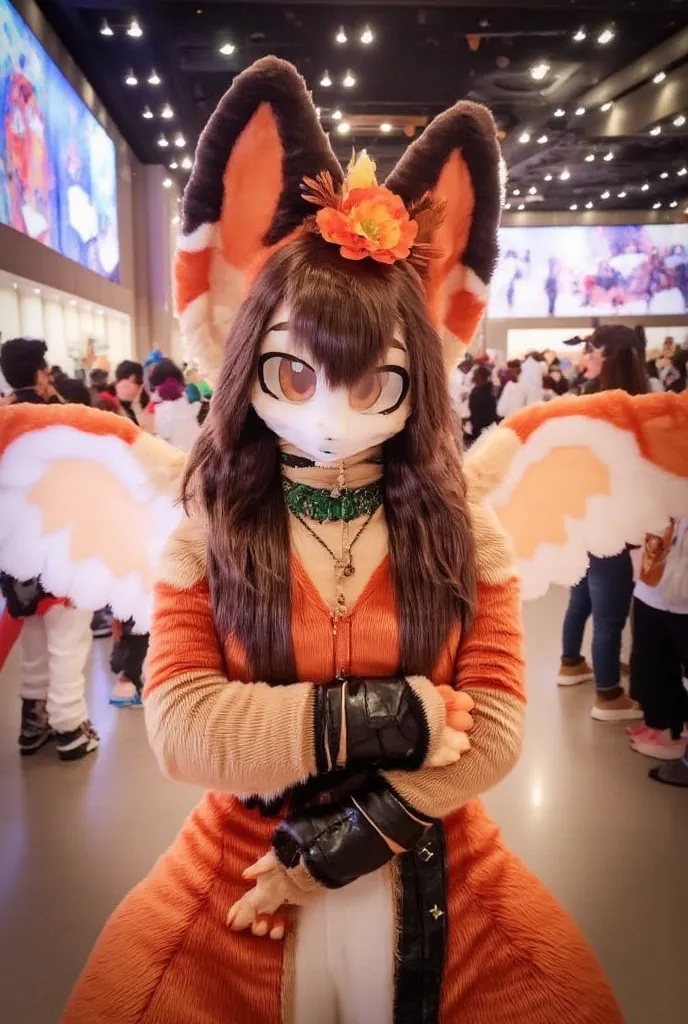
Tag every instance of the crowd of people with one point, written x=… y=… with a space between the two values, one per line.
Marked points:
x=55 y=637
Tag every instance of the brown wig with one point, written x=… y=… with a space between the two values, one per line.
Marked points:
x=343 y=313
x=623 y=366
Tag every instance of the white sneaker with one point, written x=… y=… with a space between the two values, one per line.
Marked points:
x=621 y=709
x=572 y=675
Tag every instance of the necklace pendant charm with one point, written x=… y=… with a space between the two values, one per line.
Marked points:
x=349 y=570
x=335 y=493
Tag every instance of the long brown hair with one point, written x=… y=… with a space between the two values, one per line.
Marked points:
x=624 y=366
x=343 y=313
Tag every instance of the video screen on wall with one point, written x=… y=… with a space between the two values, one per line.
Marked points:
x=630 y=270
x=58 y=170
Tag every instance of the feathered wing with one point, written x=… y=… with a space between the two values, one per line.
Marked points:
x=87 y=502
x=586 y=475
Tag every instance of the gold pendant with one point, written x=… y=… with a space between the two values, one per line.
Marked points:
x=336 y=491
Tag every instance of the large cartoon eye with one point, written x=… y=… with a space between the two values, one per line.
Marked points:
x=286 y=378
x=381 y=391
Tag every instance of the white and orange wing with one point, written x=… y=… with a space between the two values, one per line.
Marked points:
x=87 y=502
x=582 y=475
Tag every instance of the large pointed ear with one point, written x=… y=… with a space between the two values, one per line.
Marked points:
x=457 y=159
x=243 y=197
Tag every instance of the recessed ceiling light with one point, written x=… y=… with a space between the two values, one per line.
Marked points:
x=540 y=70
x=367 y=36
x=187 y=163
x=385 y=127
x=664 y=175
x=679 y=121
x=605 y=36
x=657 y=206
x=131 y=78
x=532 y=191
x=175 y=220
x=560 y=112
x=548 y=177
x=580 y=36
x=326 y=81
x=15 y=285
x=608 y=157
x=606 y=106
x=167 y=183
x=565 y=175
x=162 y=142
x=37 y=291
x=573 y=206
x=656 y=130
x=341 y=36
x=167 y=112
x=579 y=111
x=227 y=49
x=590 y=158
x=659 y=77
x=622 y=195
x=524 y=138
x=343 y=127
x=542 y=140
x=349 y=80
x=174 y=165
x=180 y=141
x=589 y=206
x=645 y=187
x=517 y=192
x=507 y=206
x=72 y=302
x=154 y=78
x=682 y=173
x=673 y=205
x=336 y=115
x=147 y=114
x=521 y=206
x=134 y=30
x=605 y=195
x=105 y=29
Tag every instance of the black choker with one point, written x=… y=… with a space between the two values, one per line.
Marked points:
x=301 y=462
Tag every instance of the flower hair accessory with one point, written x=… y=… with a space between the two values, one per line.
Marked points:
x=368 y=220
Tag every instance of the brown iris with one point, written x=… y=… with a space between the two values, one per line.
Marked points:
x=297 y=380
x=366 y=391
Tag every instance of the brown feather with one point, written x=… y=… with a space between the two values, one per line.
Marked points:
x=320 y=190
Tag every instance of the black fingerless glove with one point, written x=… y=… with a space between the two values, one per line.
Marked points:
x=340 y=842
x=386 y=727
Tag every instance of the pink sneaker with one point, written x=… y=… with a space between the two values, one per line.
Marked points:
x=636 y=730
x=659 y=745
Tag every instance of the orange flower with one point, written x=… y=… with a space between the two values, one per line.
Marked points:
x=369 y=222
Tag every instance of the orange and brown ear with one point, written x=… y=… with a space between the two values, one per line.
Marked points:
x=243 y=196
x=457 y=159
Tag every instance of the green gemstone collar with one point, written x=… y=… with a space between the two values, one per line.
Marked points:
x=323 y=505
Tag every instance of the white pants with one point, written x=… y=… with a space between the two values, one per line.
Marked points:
x=345 y=962
x=55 y=647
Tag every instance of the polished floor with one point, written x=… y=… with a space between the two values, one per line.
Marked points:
x=578 y=809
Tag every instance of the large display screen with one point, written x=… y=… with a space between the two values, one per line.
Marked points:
x=632 y=270
x=58 y=169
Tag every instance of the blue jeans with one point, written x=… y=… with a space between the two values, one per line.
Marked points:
x=605 y=593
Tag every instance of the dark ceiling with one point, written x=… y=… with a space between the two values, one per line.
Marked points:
x=422 y=57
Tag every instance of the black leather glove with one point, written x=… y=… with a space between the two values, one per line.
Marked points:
x=340 y=842
x=386 y=727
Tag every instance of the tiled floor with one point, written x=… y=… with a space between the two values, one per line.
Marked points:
x=579 y=809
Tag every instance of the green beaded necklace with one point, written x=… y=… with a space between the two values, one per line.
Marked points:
x=324 y=505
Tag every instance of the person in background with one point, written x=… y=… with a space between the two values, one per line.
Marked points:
x=513 y=396
x=55 y=637
x=73 y=390
x=98 y=382
x=531 y=377
x=194 y=379
x=554 y=380
x=654 y=383
x=614 y=361
x=482 y=405
x=176 y=419
x=679 y=361
x=128 y=388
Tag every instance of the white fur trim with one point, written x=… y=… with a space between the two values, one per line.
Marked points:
x=27 y=551
x=642 y=499
x=203 y=237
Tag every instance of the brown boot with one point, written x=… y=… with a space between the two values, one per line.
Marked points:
x=619 y=709
x=572 y=675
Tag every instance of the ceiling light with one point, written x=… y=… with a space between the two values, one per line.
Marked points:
x=131 y=78
x=147 y=113
x=645 y=187
x=573 y=206
x=679 y=121
x=565 y=175
x=336 y=115
x=105 y=29
x=656 y=130
x=162 y=142
x=326 y=81
x=657 y=206
x=507 y=206
x=606 y=106
x=540 y=70
x=605 y=195
x=154 y=78
x=341 y=36
x=521 y=206
x=72 y=302
x=134 y=30
x=682 y=173
x=664 y=175
x=590 y=158
x=542 y=140
x=167 y=112
x=580 y=36
x=227 y=49
x=524 y=138
x=343 y=127
x=175 y=220
x=180 y=141
x=605 y=36
x=174 y=165
x=167 y=183
x=659 y=77
x=548 y=177
x=187 y=163
x=622 y=195
x=517 y=191
x=608 y=157
x=367 y=36
x=560 y=112
x=532 y=191
x=385 y=127
x=37 y=291
x=673 y=205
x=579 y=111
x=589 y=206
x=348 y=81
